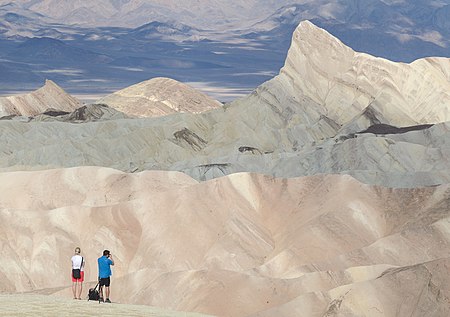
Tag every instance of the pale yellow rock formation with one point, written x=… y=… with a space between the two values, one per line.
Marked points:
x=344 y=82
x=50 y=96
x=158 y=97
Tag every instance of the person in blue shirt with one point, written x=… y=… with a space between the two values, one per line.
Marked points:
x=104 y=273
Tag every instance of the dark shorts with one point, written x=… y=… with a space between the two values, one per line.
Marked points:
x=105 y=282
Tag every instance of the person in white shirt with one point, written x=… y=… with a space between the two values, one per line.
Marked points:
x=77 y=274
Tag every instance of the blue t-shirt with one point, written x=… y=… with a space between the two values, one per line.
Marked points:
x=104 y=267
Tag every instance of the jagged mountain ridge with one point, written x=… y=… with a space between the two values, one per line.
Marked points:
x=343 y=84
x=138 y=12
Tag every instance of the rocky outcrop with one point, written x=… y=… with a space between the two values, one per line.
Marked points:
x=343 y=83
x=158 y=97
x=31 y=104
x=87 y=113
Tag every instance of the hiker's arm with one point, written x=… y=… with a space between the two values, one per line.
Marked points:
x=110 y=257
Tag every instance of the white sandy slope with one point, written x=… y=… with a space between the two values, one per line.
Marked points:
x=158 y=97
x=48 y=96
x=241 y=245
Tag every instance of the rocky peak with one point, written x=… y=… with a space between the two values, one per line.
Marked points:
x=48 y=96
x=344 y=82
x=158 y=97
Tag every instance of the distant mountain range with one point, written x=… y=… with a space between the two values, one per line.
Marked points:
x=226 y=49
x=133 y=13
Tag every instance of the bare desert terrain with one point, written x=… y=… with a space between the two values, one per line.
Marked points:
x=325 y=192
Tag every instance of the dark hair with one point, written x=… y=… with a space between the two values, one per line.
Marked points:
x=106 y=252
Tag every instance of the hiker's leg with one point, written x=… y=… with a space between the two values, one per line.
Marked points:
x=74 y=289
x=107 y=291
x=81 y=284
x=80 y=289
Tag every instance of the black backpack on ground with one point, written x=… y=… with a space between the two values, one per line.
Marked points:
x=93 y=293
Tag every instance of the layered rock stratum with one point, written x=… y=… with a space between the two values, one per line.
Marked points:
x=323 y=193
x=50 y=96
x=159 y=97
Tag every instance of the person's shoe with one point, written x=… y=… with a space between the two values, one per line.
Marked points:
x=101 y=299
x=107 y=300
